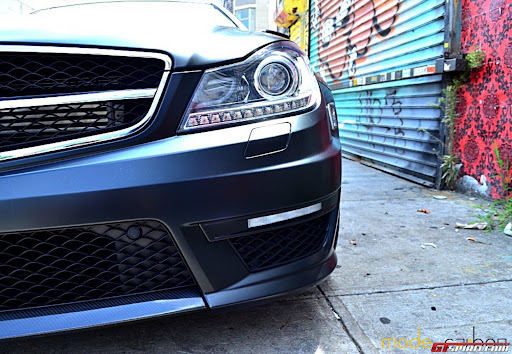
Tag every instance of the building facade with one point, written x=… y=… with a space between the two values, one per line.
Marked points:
x=256 y=15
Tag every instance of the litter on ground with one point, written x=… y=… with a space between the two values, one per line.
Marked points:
x=424 y=245
x=508 y=229
x=472 y=226
x=472 y=239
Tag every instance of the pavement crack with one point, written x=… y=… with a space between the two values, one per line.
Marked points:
x=340 y=320
x=423 y=288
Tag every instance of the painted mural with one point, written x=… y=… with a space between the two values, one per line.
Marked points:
x=347 y=32
x=485 y=104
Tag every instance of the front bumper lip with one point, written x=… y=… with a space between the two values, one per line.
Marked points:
x=75 y=320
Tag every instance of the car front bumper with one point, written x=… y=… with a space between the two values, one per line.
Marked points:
x=187 y=183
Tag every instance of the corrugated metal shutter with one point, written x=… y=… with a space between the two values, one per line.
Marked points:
x=379 y=58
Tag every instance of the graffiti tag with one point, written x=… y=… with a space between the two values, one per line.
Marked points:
x=347 y=32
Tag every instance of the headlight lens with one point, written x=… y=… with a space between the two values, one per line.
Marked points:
x=275 y=76
x=274 y=82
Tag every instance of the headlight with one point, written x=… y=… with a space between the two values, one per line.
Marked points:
x=274 y=82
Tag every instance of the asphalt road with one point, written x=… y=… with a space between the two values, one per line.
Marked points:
x=390 y=282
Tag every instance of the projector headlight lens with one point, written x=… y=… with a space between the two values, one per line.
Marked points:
x=275 y=76
x=274 y=82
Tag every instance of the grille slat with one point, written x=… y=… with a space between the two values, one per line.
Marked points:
x=273 y=248
x=59 y=266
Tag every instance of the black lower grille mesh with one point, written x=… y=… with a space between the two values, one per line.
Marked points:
x=277 y=247
x=60 y=266
x=30 y=74
x=24 y=127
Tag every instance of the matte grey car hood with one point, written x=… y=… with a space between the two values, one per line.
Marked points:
x=189 y=32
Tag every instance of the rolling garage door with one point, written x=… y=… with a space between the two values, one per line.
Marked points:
x=379 y=58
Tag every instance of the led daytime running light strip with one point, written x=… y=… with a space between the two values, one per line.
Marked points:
x=288 y=215
x=237 y=115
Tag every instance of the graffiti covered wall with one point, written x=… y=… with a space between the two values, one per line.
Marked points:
x=379 y=58
x=485 y=103
x=347 y=31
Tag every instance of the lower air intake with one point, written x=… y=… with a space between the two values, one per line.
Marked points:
x=59 y=266
x=281 y=246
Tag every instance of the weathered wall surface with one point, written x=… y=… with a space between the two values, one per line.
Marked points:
x=379 y=58
x=485 y=107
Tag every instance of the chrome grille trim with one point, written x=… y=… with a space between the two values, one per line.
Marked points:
x=94 y=139
x=79 y=98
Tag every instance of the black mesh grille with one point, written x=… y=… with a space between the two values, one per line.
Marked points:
x=42 y=75
x=277 y=247
x=29 y=74
x=88 y=263
x=24 y=127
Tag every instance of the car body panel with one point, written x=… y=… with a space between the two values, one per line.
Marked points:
x=186 y=182
x=180 y=37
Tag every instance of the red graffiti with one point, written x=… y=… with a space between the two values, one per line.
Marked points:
x=348 y=30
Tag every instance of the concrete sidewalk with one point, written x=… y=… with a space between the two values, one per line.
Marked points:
x=386 y=286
